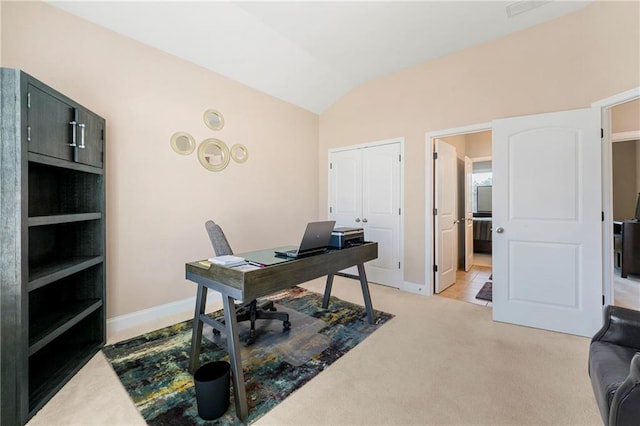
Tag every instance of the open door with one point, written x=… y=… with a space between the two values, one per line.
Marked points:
x=547 y=221
x=445 y=215
x=468 y=215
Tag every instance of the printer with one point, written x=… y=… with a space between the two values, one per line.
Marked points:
x=344 y=237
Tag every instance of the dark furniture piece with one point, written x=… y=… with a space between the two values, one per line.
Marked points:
x=52 y=242
x=630 y=248
x=617 y=244
x=482 y=240
x=277 y=274
x=253 y=310
x=614 y=367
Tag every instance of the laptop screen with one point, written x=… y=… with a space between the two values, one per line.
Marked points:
x=316 y=236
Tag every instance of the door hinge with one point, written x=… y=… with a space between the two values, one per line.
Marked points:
x=601 y=133
x=28 y=99
x=400 y=157
x=399 y=211
x=435 y=155
x=330 y=166
x=28 y=133
x=435 y=268
x=603 y=216
x=398 y=265
x=435 y=212
x=101 y=134
x=330 y=209
x=603 y=300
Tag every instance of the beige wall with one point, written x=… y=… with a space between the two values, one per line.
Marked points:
x=157 y=200
x=625 y=174
x=479 y=144
x=626 y=117
x=551 y=67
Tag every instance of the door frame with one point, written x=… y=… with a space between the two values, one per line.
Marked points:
x=429 y=278
x=605 y=106
x=404 y=285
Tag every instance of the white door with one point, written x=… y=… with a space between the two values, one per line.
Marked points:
x=364 y=192
x=468 y=214
x=381 y=211
x=446 y=213
x=345 y=187
x=547 y=261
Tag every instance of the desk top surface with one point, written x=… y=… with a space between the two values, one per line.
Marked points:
x=278 y=273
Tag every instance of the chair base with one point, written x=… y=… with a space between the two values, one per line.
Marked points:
x=254 y=311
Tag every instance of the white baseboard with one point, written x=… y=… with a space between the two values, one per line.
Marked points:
x=157 y=313
x=415 y=288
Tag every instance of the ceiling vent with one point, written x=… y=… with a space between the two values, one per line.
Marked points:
x=523 y=6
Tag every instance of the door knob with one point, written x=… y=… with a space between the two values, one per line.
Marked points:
x=357 y=219
x=365 y=220
x=500 y=230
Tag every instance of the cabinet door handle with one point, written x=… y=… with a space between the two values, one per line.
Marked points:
x=357 y=219
x=82 y=126
x=365 y=220
x=74 y=133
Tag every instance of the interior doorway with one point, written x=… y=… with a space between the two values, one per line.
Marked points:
x=472 y=219
x=625 y=196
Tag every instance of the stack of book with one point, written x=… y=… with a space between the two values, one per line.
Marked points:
x=227 y=260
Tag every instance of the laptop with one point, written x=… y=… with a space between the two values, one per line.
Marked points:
x=315 y=240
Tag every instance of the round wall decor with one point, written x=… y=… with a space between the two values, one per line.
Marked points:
x=213 y=119
x=239 y=153
x=183 y=143
x=213 y=154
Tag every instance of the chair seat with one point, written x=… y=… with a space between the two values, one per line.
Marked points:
x=608 y=368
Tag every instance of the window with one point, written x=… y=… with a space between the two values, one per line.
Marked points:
x=482 y=177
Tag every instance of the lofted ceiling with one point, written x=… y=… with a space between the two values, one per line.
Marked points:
x=311 y=53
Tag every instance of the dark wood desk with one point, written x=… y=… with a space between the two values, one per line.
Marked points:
x=278 y=274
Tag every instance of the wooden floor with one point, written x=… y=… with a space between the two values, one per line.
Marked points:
x=468 y=284
x=626 y=291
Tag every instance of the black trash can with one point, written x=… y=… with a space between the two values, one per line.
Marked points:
x=212 y=389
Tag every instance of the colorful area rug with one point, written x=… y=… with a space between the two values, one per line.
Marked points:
x=486 y=292
x=153 y=367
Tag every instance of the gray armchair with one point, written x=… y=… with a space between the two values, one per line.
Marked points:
x=252 y=310
x=614 y=367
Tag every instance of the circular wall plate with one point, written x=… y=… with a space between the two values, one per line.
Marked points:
x=213 y=154
x=239 y=153
x=213 y=119
x=183 y=143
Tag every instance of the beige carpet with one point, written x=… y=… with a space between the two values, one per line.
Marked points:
x=438 y=362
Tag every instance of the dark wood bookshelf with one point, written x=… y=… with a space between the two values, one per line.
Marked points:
x=53 y=271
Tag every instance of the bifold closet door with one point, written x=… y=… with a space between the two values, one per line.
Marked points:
x=365 y=187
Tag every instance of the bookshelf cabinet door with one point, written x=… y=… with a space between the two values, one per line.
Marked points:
x=50 y=132
x=90 y=139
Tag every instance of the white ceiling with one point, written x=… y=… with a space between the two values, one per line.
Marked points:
x=311 y=53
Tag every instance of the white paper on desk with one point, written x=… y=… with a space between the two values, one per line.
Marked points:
x=227 y=260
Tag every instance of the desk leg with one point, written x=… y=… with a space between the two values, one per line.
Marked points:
x=196 y=335
x=365 y=293
x=327 y=291
x=233 y=347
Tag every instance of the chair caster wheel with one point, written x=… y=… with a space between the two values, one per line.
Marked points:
x=286 y=325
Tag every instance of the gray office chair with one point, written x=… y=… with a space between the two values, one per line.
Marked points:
x=251 y=311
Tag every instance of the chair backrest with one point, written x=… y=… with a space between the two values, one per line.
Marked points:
x=219 y=242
